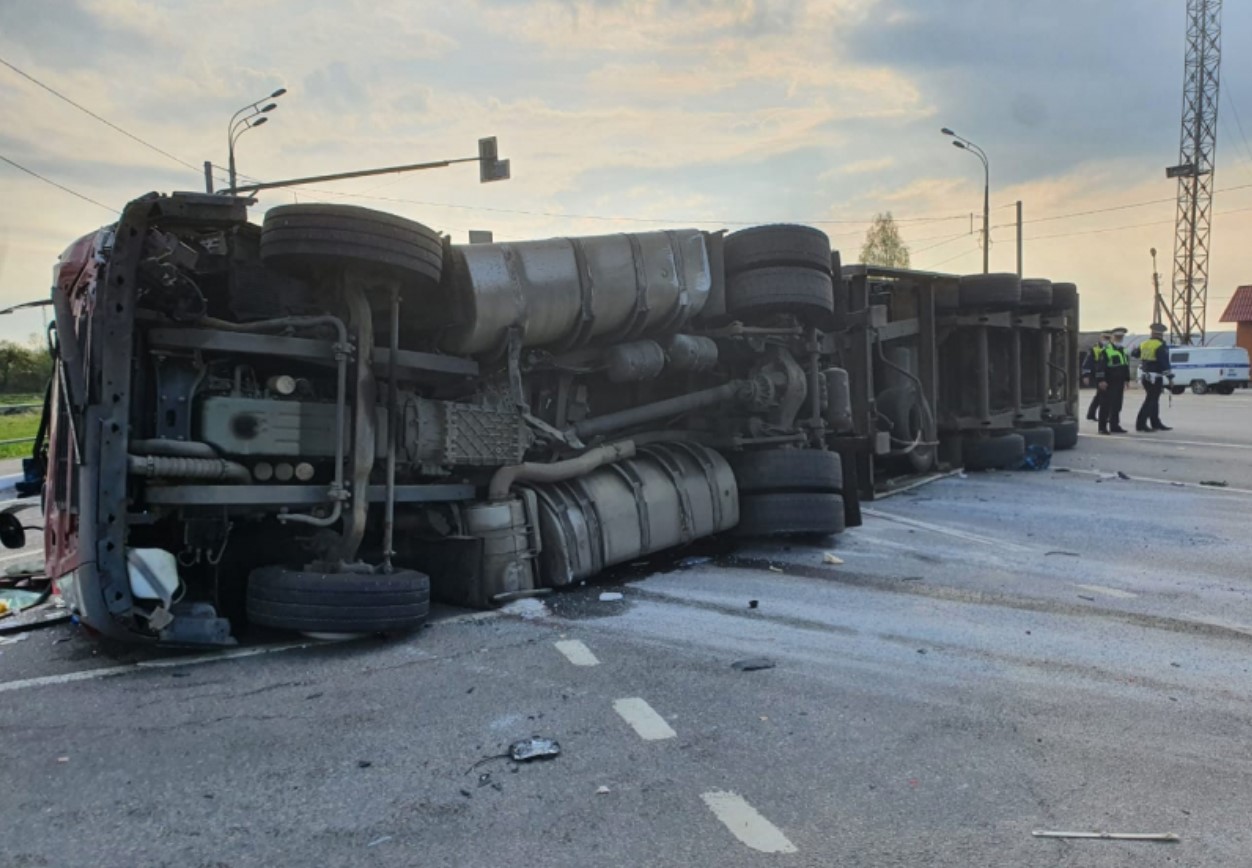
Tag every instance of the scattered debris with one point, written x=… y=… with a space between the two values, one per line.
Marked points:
x=921 y=650
x=1214 y=483
x=610 y=597
x=533 y=748
x=528 y=609
x=63 y=759
x=774 y=569
x=363 y=764
x=377 y=841
x=484 y=779
x=1111 y=836
x=467 y=794
x=962 y=475
x=829 y=558
x=1085 y=597
x=62 y=639
x=1059 y=552
x=752 y=604
x=602 y=791
x=752 y=664
x=1121 y=475
x=1060 y=470
x=694 y=561
x=10 y=640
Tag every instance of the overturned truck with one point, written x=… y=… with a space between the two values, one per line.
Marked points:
x=315 y=423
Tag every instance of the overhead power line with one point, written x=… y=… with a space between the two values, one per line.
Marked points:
x=62 y=187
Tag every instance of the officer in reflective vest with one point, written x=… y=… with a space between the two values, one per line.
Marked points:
x=1155 y=374
x=1093 y=356
x=1112 y=374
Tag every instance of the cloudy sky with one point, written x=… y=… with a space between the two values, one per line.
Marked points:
x=631 y=114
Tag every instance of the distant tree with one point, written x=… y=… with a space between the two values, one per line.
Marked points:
x=23 y=368
x=883 y=244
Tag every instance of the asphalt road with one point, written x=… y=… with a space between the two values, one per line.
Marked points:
x=997 y=653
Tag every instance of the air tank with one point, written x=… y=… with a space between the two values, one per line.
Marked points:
x=568 y=292
x=667 y=495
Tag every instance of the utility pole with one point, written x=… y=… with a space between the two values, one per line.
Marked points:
x=1157 y=301
x=1019 y=237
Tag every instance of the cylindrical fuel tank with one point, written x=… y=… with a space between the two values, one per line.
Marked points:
x=567 y=292
x=667 y=495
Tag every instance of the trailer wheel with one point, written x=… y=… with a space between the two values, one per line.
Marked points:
x=782 y=244
x=992 y=291
x=298 y=238
x=805 y=292
x=1199 y=387
x=314 y=602
x=790 y=514
x=1064 y=435
x=1064 y=297
x=1042 y=436
x=788 y=470
x=1002 y=452
x=1037 y=294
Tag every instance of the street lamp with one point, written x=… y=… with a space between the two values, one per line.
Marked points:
x=239 y=125
x=966 y=145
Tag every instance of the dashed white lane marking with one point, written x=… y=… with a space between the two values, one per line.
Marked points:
x=1141 y=438
x=577 y=653
x=643 y=719
x=1108 y=592
x=110 y=671
x=948 y=531
x=1171 y=482
x=746 y=823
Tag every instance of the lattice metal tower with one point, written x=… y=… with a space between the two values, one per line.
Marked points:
x=1197 y=151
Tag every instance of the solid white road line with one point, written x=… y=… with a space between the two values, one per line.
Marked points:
x=746 y=824
x=643 y=719
x=1141 y=438
x=948 y=531
x=1171 y=482
x=1108 y=592
x=577 y=653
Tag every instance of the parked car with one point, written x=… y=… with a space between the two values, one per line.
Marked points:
x=1209 y=369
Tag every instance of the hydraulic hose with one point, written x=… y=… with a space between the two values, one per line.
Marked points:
x=172 y=467
x=506 y=477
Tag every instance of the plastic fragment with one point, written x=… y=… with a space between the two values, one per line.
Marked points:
x=610 y=597
x=828 y=558
x=533 y=748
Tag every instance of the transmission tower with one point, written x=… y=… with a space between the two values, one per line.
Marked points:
x=1197 y=151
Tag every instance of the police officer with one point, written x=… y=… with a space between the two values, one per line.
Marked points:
x=1112 y=374
x=1155 y=374
x=1093 y=356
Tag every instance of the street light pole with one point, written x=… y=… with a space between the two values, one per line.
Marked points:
x=966 y=145
x=238 y=126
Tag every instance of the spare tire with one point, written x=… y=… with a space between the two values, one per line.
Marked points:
x=1064 y=296
x=1002 y=452
x=297 y=238
x=787 y=470
x=1064 y=435
x=779 y=514
x=316 y=602
x=991 y=291
x=1036 y=294
x=781 y=244
x=805 y=292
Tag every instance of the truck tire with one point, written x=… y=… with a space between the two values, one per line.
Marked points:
x=1042 y=436
x=902 y=408
x=314 y=602
x=790 y=514
x=1036 y=294
x=1064 y=435
x=805 y=292
x=990 y=291
x=1002 y=452
x=1199 y=387
x=781 y=244
x=295 y=238
x=1064 y=296
x=784 y=470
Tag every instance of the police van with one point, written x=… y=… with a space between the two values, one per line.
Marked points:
x=1209 y=369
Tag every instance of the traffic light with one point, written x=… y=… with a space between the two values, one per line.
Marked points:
x=490 y=166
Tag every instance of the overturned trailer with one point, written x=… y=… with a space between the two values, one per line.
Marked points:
x=315 y=423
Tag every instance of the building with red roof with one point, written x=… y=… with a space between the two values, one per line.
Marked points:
x=1239 y=310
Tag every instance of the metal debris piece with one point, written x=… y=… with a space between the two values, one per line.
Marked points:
x=533 y=748
x=694 y=561
x=752 y=604
x=829 y=558
x=1121 y=475
x=1214 y=483
x=752 y=664
x=1111 y=836
x=1085 y=597
x=602 y=791
x=1059 y=552
x=610 y=597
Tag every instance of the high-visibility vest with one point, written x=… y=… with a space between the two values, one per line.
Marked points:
x=1097 y=351
x=1149 y=348
x=1115 y=357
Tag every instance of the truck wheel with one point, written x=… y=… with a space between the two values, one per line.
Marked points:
x=314 y=602
x=787 y=514
x=1064 y=297
x=1199 y=387
x=1064 y=435
x=295 y=238
x=1003 y=452
x=784 y=470
x=991 y=291
x=805 y=292
x=1043 y=436
x=1036 y=294
x=782 y=244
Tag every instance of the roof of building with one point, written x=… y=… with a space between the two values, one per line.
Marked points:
x=1240 y=307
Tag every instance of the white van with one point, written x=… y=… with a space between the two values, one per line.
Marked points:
x=1209 y=369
